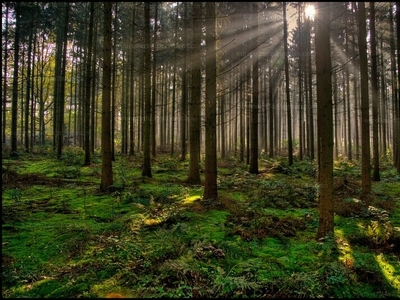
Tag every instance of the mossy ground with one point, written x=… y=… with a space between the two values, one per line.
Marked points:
x=157 y=237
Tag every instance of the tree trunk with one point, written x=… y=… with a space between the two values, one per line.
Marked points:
x=397 y=107
x=325 y=122
x=146 y=171
x=28 y=92
x=375 y=95
x=195 y=99
x=61 y=92
x=254 y=111
x=106 y=155
x=153 y=90
x=365 y=136
x=87 y=87
x=5 y=80
x=210 y=184
x=14 y=104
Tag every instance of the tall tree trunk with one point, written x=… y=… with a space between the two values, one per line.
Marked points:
x=310 y=94
x=271 y=86
x=300 y=61
x=395 y=87
x=184 y=90
x=132 y=89
x=355 y=83
x=365 y=136
x=153 y=90
x=397 y=107
x=172 y=141
x=210 y=183
x=87 y=87
x=93 y=98
x=114 y=79
x=106 y=155
x=146 y=171
x=61 y=101
x=254 y=111
x=195 y=99
x=375 y=95
x=14 y=103
x=325 y=122
x=28 y=92
x=5 y=78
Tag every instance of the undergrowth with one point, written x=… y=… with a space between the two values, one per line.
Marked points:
x=157 y=237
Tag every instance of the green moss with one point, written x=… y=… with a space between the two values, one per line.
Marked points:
x=155 y=237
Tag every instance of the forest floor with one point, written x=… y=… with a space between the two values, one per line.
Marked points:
x=157 y=237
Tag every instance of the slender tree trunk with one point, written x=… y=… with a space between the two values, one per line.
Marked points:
x=195 y=99
x=394 y=85
x=5 y=78
x=28 y=92
x=254 y=117
x=375 y=95
x=153 y=90
x=61 y=93
x=132 y=89
x=397 y=106
x=301 y=146
x=325 y=122
x=174 y=86
x=210 y=183
x=184 y=91
x=355 y=84
x=146 y=171
x=106 y=155
x=87 y=87
x=310 y=95
x=113 y=93
x=93 y=98
x=365 y=136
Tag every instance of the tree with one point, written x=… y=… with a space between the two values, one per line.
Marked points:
x=14 y=103
x=195 y=99
x=184 y=91
x=87 y=87
x=287 y=88
x=375 y=94
x=61 y=84
x=210 y=183
x=106 y=153
x=324 y=120
x=254 y=111
x=146 y=170
x=365 y=147
x=5 y=82
x=153 y=91
x=397 y=110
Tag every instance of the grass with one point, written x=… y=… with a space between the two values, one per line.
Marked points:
x=156 y=237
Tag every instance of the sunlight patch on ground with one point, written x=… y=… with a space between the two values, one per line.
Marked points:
x=191 y=199
x=346 y=252
x=390 y=272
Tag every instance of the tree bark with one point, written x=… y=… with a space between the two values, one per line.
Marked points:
x=375 y=95
x=210 y=184
x=195 y=99
x=106 y=166
x=146 y=171
x=87 y=87
x=365 y=136
x=254 y=111
x=325 y=122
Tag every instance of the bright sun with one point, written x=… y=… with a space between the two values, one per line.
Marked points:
x=310 y=11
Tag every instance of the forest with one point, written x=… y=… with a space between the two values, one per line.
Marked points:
x=200 y=149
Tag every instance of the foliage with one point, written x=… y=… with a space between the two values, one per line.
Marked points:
x=146 y=239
